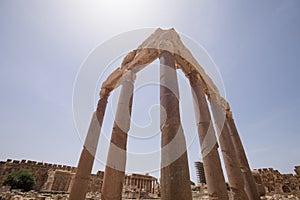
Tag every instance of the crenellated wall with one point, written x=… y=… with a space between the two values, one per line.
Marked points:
x=39 y=169
x=53 y=177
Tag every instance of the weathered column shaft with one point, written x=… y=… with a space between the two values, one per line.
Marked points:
x=232 y=165
x=249 y=183
x=208 y=142
x=80 y=183
x=149 y=186
x=175 y=178
x=116 y=160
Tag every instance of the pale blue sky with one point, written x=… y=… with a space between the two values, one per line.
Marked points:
x=255 y=44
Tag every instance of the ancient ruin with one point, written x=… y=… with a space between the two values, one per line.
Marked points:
x=268 y=181
x=53 y=178
x=55 y=181
x=167 y=46
x=273 y=182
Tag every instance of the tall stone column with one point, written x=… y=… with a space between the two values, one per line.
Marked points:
x=208 y=142
x=116 y=159
x=152 y=187
x=175 y=177
x=232 y=165
x=80 y=183
x=249 y=183
x=148 y=186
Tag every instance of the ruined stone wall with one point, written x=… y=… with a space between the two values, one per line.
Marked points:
x=276 y=183
x=96 y=181
x=39 y=169
x=59 y=178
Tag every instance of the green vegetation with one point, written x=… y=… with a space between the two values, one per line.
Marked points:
x=23 y=180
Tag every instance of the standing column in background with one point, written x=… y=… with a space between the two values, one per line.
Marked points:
x=116 y=159
x=249 y=183
x=208 y=142
x=232 y=165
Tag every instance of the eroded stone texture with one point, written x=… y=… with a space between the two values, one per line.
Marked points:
x=208 y=143
x=232 y=165
x=86 y=161
x=276 y=183
x=260 y=187
x=297 y=170
x=175 y=178
x=249 y=183
x=150 y=49
x=59 y=179
x=39 y=169
x=116 y=159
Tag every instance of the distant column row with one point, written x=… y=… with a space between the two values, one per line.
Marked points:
x=140 y=183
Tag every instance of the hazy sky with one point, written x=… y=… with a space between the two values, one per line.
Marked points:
x=255 y=45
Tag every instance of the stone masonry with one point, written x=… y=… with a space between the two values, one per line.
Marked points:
x=59 y=178
x=276 y=183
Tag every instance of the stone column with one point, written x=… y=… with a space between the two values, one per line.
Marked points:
x=152 y=187
x=208 y=142
x=249 y=183
x=132 y=181
x=148 y=186
x=129 y=181
x=116 y=159
x=232 y=165
x=125 y=181
x=80 y=184
x=175 y=177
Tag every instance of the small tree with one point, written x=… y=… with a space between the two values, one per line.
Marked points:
x=23 y=180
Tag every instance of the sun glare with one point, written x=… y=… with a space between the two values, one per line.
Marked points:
x=121 y=7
